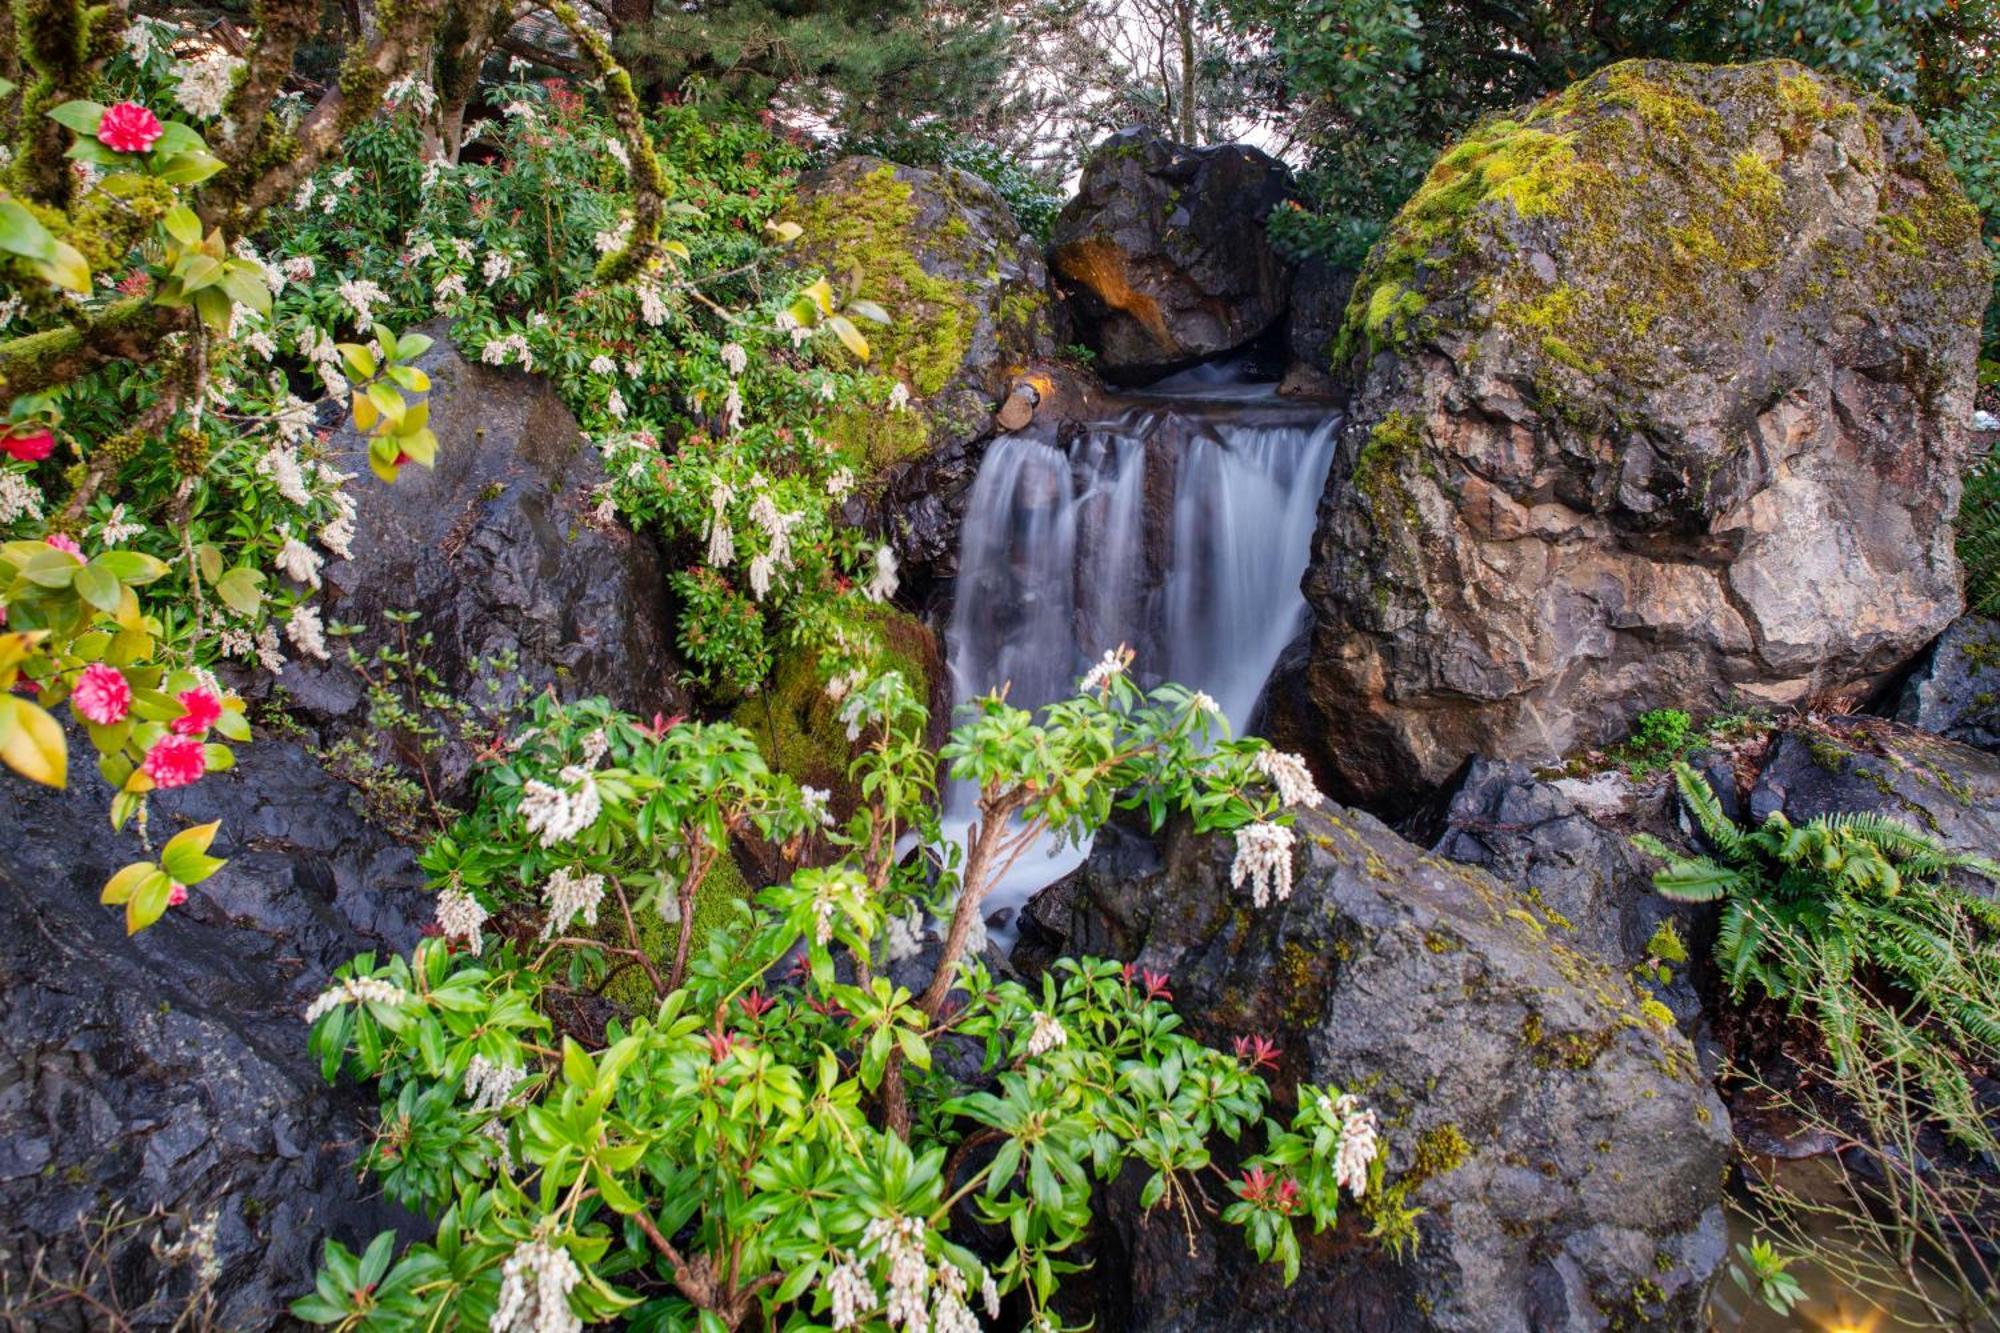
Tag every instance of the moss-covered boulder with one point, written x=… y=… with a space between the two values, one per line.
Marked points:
x=1661 y=392
x=966 y=291
x=1566 y=1151
x=1162 y=255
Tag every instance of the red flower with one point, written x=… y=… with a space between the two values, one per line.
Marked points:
x=1156 y=985
x=1257 y=1052
x=62 y=541
x=28 y=444
x=102 y=695
x=177 y=895
x=756 y=1004
x=175 y=761
x=720 y=1044
x=1280 y=1193
x=199 y=709
x=128 y=128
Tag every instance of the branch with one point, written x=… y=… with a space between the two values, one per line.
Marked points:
x=128 y=330
x=542 y=55
x=364 y=76
x=281 y=26
x=649 y=183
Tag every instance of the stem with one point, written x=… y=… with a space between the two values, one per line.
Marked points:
x=700 y=857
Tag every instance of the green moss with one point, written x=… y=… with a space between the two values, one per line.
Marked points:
x=714 y=905
x=871 y=440
x=1378 y=468
x=1438 y=1150
x=866 y=231
x=798 y=728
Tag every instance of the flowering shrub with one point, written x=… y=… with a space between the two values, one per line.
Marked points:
x=784 y=1133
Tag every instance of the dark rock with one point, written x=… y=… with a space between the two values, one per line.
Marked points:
x=1588 y=1192
x=1662 y=388
x=498 y=553
x=1162 y=253
x=1826 y=766
x=1956 y=692
x=169 y=1070
x=1577 y=863
x=1320 y=292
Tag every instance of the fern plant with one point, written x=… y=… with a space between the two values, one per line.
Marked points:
x=1814 y=912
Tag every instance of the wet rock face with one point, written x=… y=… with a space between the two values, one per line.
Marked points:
x=169 y=1070
x=1662 y=392
x=497 y=552
x=1162 y=254
x=1946 y=789
x=1567 y=1151
x=1956 y=692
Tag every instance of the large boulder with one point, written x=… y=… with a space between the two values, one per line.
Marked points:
x=168 y=1071
x=1162 y=253
x=1955 y=692
x=966 y=292
x=1567 y=1152
x=515 y=582
x=1662 y=385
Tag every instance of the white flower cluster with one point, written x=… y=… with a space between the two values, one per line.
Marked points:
x=299 y=562
x=616 y=149
x=1359 y=1141
x=489 y=1084
x=1289 y=774
x=362 y=295
x=560 y=813
x=337 y=535
x=139 y=36
x=1200 y=702
x=882 y=584
x=571 y=895
x=513 y=347
x=355 y=990
x=920 y=1299
x=777 y=557
x=117 y=528
x=613 y=238
x=1048 y=1034
x=615 y=405
x=813 y=800
x=281 y=465
x=449 y=288
x=652 y=304
x=735 y=358
x=535 y=1283
x=840 y=484
x=497 y=265
x=412 y=89
x=901 y=1241
x=721 y=537
x=1264 y=861
x=460 y=916
x=1108 y=668
x=603 y=365
x=904 y=937
x=18 y=497
x=844 y=684
x=299 y=268
x=899 y=397
x=204 y=84
x=732 y=410
x=306 y=631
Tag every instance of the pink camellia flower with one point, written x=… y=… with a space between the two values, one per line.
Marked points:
x=28 y=444
x=175 y=761
x=102 y=695
x=62 y=541
x=128 y=128
x=200 y=707
x=177 y=895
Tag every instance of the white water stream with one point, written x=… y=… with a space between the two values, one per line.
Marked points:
x=1179 y=528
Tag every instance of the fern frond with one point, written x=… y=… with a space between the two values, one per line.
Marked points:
x=1702 y=803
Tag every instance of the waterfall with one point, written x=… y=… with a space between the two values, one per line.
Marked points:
x=1180 y=527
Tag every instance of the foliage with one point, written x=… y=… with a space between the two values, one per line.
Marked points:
x=1759 y=1270
x=791 y=1136
x=1659 y=736
x=1030 y=199
x=874 y=64
x=1812 y=912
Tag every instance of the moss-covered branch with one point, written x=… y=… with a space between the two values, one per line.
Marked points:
x=250 y=137
x=407 y=27
x=649 y=183
x=59 y=43
x=128 y=330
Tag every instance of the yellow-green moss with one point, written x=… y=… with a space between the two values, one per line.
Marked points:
x=714 y=901
x=1438 y=1150
x=871 y=440
x=798 y=728
x=865 y=231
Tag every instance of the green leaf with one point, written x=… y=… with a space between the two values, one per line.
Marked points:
x=31 y=742
x=21 y=232
x=118 y=890
x=246 y=286
x=578 y=1071
x=868 y=310
x=182 y=224
x=100 y=587
x=387 y=401
x=66 y=268
x=137 y=568
x=185 y=856
x=83 y=117
x=242 y=588
x=148 y=902
x=188 y=168
x=410 y=378
x=358 y=358
x=844 y=329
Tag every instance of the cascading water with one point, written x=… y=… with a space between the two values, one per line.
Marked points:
x=1179 y=528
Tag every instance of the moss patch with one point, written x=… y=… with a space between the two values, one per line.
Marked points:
x=798 y=728
x=866 y=234
x=714 y=905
